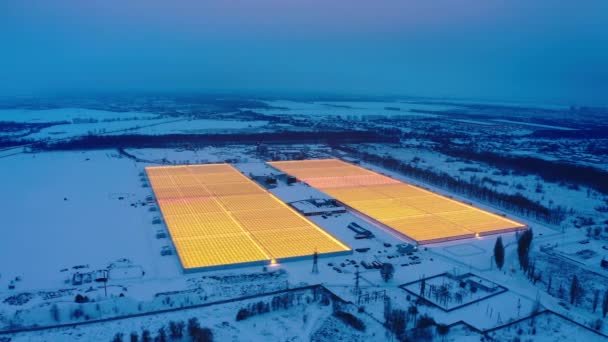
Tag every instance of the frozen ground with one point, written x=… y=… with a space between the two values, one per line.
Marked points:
x=349 y=109
x=192 y=156
x=97 y=128
x=201 y=126
x=78 y=122
x=83 y=226
x=67 y=114
x=69 y=209
x=303 y=322
x=536 y=125
x=544 y=328
x=86 y=208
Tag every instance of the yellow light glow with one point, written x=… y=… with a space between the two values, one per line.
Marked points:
x=216 y=216
x=422 y=215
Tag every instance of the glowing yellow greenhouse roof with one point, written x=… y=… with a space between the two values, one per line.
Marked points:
x=216 y=216
x=421 y=215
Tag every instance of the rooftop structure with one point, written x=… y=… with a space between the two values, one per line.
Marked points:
x=217 y=217
x=419 y=214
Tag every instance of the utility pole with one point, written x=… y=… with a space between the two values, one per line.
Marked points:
x=357 y=288
x=104 y=278
x=518 y=306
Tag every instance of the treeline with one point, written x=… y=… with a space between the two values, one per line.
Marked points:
x=174 y=140
x=593 y=133
x=5 y=143
x=551 y=171
x=516 y=203
x=12 y=126
x=283 y=302
x=21 y=130
x=173 y=332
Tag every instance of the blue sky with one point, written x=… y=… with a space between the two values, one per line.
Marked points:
x=541 y=51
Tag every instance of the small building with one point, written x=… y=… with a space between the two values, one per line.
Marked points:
x=314 y=207
x=404 y=248
x=362 y=233
x=267 y=181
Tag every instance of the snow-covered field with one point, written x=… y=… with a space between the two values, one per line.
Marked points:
x=96 y=128
x=78 y=212
x=349 y=109
x=302 y=322
x=535 y=125
x=74 y=122
x=544 y=328
x=57 y=225
x=68 y=114
x=200 y=126
x=69 y=209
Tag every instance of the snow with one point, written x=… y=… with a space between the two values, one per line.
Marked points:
x=298 y=323
x=98 y=219
x=67 y=114
x=535 y=125
x=527 y=104
x=98 y=128
x=475 y=122
x=201 y=126
x=192 y=156
x=65 y=210
x=544 y=328
x=78 y=122
x=257 y=169
x=350 y=109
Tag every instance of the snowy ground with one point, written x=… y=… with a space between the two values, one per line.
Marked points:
x=193 y=156
x=87 y=209
x=201 y=126
x=544 y=328
x=299 y=323
x=30 y=252
x=97 y=128
x=536 y=125
x=76 y=122
x=69 y=209
x=67 y=114
x=349 y=109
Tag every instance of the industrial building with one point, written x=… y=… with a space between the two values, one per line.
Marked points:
x=418 y=214
x=219 y=218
